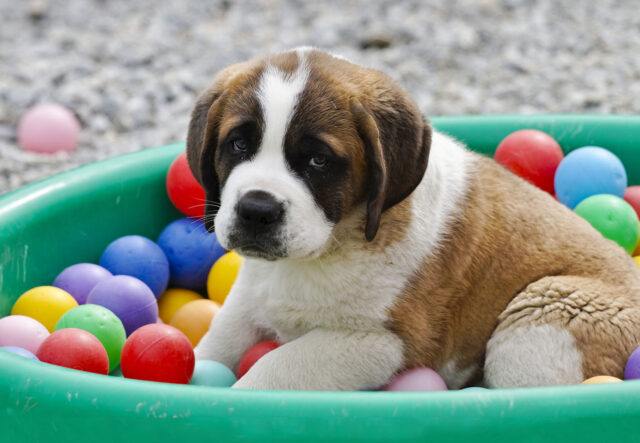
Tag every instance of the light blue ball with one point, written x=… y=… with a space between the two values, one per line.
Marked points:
x=589 y=171
x=474 y=389
x=212 y=373
x=20 y=351
x=138 y=257
x=191 y=252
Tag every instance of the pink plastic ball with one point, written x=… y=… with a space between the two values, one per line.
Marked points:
x=23 y=332
x=48 y=128
x=418 y=379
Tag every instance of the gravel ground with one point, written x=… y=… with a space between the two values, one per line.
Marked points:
x=131 y=70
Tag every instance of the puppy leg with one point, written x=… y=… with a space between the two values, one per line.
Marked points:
x=562 y=330
x=328 y=360
x=231 y=333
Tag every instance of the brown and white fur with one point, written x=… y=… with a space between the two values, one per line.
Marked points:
x=386 y=245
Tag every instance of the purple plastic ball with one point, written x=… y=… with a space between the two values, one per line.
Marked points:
x=632 y=370
x=20 y=351
x=129 y=298
x=138 y=257
x=418 y=379
x=191 y=251
x=78 y=280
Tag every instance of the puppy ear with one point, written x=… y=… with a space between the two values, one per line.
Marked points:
x=202 y=139
x=397 y=140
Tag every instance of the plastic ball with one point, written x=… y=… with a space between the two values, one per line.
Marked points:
x=184 y=191
x=474 y=389
x=417 y=379
x=632 y=196
x=632 y=369
x=78 y=280
x=255 y=353
x=601 y=379
x=637 y=259
x=138 y=257
x=532 y=155
x=173 y=299
x=589 y=171
x=75 y=349
x=102 y=323
x=23 y=332
x=128 y=298
x=158 y=353
x=222 y=276
x=613 y=217
x=22 y=352
x=194 y=318
x=212 y=373
x=45 y=304
x=191 y=251
x=48 y=128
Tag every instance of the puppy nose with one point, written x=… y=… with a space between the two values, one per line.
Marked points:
x=260 y=209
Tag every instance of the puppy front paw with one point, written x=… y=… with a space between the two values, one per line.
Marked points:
x=252 y=380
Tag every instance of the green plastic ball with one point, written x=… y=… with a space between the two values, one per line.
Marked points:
x=613 y=217
x=212 y=373
x=100 y=322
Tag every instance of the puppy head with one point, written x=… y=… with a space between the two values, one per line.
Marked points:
x=286 y=146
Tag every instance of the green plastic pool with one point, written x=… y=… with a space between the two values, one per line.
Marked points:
x=71 y=217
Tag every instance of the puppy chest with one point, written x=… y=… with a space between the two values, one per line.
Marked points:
x=292 y=305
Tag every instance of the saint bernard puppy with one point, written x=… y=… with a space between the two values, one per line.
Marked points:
x=373 y=244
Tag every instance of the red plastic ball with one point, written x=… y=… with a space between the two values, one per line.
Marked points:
x=184 y=191
x=158 y=352
x=76 y=349
x=532 y=155
x=254 y=354
x=632 y=196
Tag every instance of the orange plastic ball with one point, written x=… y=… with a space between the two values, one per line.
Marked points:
x=601 y=379
x=194 y=319
x=173 y=299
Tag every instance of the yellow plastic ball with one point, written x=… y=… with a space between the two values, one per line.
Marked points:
x=601 y=379
x=45 y=304
x=637 y=259
x=222 y=275
x=194 y=318
x=173 y=299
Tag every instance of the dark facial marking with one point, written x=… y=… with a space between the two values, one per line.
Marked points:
x=325 y=169
x=241 y=142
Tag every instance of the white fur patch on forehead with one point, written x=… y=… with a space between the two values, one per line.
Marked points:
x=278 y=95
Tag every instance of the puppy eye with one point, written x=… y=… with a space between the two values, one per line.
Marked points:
x=318 y=161
x=239 y=146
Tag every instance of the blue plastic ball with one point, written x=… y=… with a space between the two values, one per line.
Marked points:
x=212 y=373
x=191 y=252
x=589 y=171
x=138 y=257
x=20 y=351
